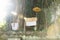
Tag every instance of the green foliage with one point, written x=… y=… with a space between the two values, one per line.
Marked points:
x=3 y=25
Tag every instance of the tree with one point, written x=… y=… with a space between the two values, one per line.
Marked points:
x=42 y=17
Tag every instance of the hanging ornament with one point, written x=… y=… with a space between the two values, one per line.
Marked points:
x=36 y=9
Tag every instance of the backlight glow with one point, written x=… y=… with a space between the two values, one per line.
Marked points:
x=3 y=12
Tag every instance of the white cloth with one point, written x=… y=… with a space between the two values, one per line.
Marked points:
x=33 y=23
x=14 y=26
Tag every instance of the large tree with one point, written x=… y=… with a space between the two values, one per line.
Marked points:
x=44 y=17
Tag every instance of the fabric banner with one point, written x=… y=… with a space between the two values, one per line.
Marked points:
x=33 y=23
x=30 y=21
x=15 y=26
